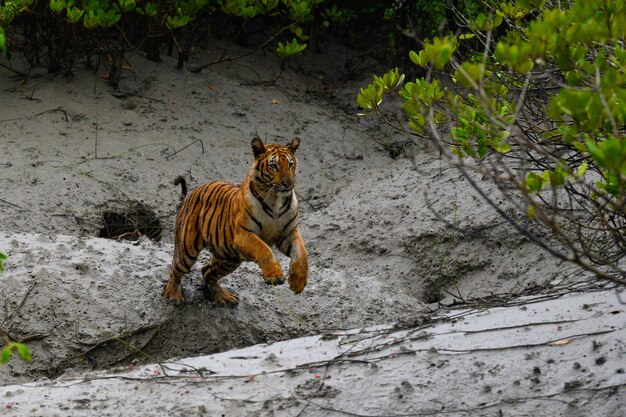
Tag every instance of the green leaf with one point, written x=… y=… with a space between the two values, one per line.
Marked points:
x=513 y=11
x=422 y=91
x=74 y=14
x=23 y=350
x=176 y=22
x=57 y=6
x=486 y=23
x=609 y=154
x=534 y=182
x=466 y=36
x=289 y=49
x=297 y=30
x=482 y=148
x=502 y=147
x=127 y=5
x=149 y=10
x=611 y=184
x=437 y=52
x=5 y=356
x=480 y=20
x=581 y=147
x=469 y=74
x=389 y=81
x=415 y=58
x=90 y=20
x=559 y=175
x=370 y=97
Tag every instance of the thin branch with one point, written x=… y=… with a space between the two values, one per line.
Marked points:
x=133 y=149
x=250 y=52
x=58 y=109
x=185 y=147
x=2 y=200
x=14 y=71
x=20 y=304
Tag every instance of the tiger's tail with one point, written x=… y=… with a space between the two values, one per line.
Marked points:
x=180 y=180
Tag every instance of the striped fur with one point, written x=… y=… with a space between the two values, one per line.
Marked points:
x=239 y=222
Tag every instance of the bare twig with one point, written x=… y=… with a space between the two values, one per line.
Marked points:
x=20 y=304
x=83 y=161
x=186 y=146
x=14 y=71
x=2 y=200
x=58 y=109
x=245 y=54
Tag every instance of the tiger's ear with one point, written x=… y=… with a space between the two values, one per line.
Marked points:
x=293 y=145
x=258 y=148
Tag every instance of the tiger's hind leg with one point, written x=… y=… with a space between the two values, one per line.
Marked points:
x=184 y=259
x=212 y=272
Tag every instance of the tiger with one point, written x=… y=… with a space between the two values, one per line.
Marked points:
x=240 y=222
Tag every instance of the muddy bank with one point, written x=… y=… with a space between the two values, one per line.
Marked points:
x=91 y=292
x=389 y=233
x=556 y=355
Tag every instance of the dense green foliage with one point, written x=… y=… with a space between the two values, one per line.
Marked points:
x=541 y=105
x=57 y=34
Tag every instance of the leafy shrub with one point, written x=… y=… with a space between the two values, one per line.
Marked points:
x=55 y=33
x=540 y=105
x=388 y=29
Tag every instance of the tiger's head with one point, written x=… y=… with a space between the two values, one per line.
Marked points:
x=275 y=165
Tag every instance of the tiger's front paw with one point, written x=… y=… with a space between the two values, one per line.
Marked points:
x=273 y=273
x=297 y=278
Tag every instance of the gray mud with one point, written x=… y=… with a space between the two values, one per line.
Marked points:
x=387 y=237
x=554 y=355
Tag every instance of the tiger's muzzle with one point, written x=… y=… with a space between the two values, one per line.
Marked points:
x=283 y=188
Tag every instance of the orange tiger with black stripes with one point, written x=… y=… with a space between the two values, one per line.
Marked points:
x=239 y=222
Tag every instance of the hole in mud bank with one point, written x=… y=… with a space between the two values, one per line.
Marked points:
x=432 y=293
x=433 y=297
x=135 y=221
x=395 y=150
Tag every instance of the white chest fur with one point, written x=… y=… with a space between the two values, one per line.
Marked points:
x=274 y=214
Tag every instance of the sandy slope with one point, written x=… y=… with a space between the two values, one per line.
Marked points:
x=90 y=290
x=386 y=236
